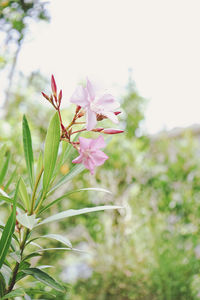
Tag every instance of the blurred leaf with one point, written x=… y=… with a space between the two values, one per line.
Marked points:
x=10 y=201
x=72 y=192
x=4 y=168
x=8 y=230
x=16 y=293
x=27 y=221
x=75 y=212
x=28 y=151
x=69 y=176
x=23 y=194
x=58 y=238
x=51 y=150
x=2 y=285
x=44 y=278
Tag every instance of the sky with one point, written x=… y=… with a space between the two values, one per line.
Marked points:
x=102 y=39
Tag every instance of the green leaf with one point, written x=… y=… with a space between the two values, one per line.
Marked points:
x=2 y=154
x=28 y=151
x=8 y=230
x=10 y=201
x=69 y=176
x=4 y=168
x=27 y=221
x=24 y=194
x=39 y=164
x=16 y=293
x=58 y=238
x=10 y=180
x=75 y=212
x=6 y=272
x=51 y=150
x=44 y=278
x=2 y=285
x=72 y=192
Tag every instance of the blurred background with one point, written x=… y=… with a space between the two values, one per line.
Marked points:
x=146 y=53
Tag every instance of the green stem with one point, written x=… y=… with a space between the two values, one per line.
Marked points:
x=16 y=268
x=40 y=203
x=35 y=190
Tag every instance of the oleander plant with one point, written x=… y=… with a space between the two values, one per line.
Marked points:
x=31 y=196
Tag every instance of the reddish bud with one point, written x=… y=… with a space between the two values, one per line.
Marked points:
x=78 y=108
x=53 y=86
x=60 y=97
x=98 y=129
x=45 y=96
x=112 y=131
x=117 y=113
x=81 y=114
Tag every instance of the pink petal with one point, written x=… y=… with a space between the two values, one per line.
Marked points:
x=91 y=119
x=97 y=143
x=89 y=164
x=99 y=157
x=80 y=97
x=110 y=115
x=108 y=102
x=84 y=143
x=90 y=90
x=77 y=160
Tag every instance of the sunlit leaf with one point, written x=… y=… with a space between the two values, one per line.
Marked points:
x=75 y=212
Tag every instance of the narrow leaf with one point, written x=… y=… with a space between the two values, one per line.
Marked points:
x=75 y=212
x=8 y=230
x=69 y=176
x=51 y=150
x=4 y=168
x=24 y=194
x=2 y=154
x=16 y=293
x=10 y=201
x=44 y=278
x=28 y=151
x=72 y=192
x=58 y=238
x=27 y=221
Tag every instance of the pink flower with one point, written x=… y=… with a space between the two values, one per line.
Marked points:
x=104 y=105
x=90 y=155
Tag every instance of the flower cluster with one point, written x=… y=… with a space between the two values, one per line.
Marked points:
x=94 y=109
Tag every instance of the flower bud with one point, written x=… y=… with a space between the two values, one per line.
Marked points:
x=78 y=108
x=112 y=131
x=117 y=113
x=60 y=97
x=53 y=86
x=45 y=96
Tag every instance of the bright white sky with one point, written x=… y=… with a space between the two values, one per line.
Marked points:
x=102 y=39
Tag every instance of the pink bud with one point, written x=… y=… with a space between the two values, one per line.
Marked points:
x=78 y=107
x=60 y=97
x=45 y=96
x=53 y=85
x=112 y=131
x=117 y=113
